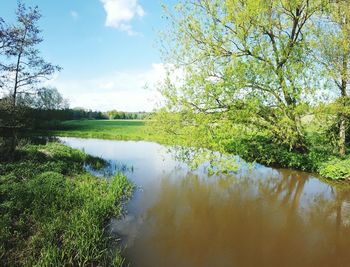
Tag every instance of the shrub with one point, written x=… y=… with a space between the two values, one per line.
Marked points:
x=336 y=169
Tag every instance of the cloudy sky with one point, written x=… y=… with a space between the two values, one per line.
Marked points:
x=107 y=48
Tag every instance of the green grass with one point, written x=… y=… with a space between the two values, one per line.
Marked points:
x=105 y=129
x=54 y=213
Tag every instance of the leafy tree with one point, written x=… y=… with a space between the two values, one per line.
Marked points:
x=46 y=98
x=244 y=62
x=50 y=99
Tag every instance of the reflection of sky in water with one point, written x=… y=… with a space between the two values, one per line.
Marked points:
x=192 y=203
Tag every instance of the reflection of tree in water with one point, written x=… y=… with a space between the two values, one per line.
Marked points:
x=340 y=211
x=210 y=161
x=288 y=187
x=244 y=222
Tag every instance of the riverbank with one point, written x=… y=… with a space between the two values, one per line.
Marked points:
x=292 y=213
x=254 y=148
x=55 y=213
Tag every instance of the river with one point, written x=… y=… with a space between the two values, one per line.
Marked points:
x=256 y=216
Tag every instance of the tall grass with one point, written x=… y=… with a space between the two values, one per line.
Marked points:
x=54 y=213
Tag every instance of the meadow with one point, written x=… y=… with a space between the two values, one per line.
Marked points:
x=105 y=129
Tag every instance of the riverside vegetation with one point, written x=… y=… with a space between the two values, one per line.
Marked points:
x=55 y=213
x=266 y=80
x=272 y=88
x=250 y=144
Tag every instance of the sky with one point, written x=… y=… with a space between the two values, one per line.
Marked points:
x=107 y=49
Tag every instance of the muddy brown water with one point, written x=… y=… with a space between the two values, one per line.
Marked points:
x=255 y=217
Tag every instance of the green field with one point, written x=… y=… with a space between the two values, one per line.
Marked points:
x=105 y=129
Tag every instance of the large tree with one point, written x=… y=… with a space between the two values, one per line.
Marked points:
x=22 y=67
x=246 y=58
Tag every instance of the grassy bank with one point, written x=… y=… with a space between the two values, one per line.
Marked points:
x=105 y=129
x=54 y=213
x=320 y=158
x=254 y=144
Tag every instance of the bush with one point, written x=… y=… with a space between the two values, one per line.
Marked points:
x=263 y=150
x=336 y=169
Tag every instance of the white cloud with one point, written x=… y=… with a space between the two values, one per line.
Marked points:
x=121 y=90
x=120 y=13
x=74 y=15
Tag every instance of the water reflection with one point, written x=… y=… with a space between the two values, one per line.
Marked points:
x=257 y=217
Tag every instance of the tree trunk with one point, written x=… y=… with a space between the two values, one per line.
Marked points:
x=342 y=135
x=14 y=96
x=18 y=69
x=343 y=119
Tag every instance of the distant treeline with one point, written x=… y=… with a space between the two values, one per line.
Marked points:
x=43 y=119
x=120 y=115
x=82 y=114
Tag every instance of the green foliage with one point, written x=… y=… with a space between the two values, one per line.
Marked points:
x=327 y=121
x=53 y=212
x=251 y=144
x=120 y=115
x=337 y=168
x=263 y=150
x=250 y=84
x=46 y=98
x=247 y=61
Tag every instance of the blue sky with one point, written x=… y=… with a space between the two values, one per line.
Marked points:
x=107 y=48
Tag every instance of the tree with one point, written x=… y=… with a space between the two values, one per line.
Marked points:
x=333 y=52
x=247 y=61
x=24 y=68
x=50 y=99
